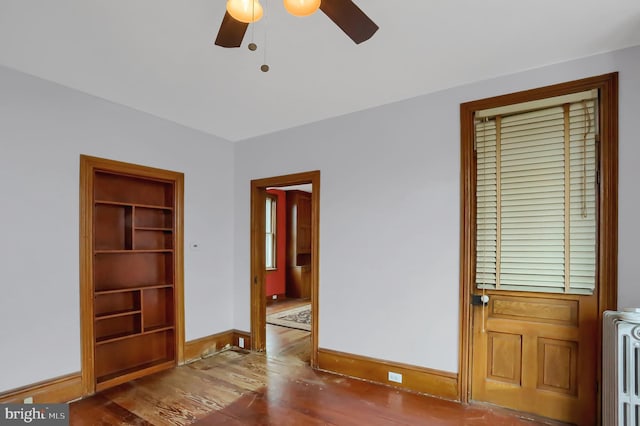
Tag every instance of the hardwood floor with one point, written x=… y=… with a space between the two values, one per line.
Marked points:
x=283 y=342
x=288 y=342
x=238 y=387
x=284 y=304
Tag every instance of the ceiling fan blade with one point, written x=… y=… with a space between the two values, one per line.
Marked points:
x=231 y=32
x=350 y=18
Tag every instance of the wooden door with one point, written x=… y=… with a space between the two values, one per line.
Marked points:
x=539 y=352
x=535 y=353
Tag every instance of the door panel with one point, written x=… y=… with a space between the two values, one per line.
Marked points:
x=536 y=353
x=504 y=357
x=559 y=335
x=557 y=365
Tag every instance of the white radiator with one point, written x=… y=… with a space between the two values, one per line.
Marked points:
x=621 y=369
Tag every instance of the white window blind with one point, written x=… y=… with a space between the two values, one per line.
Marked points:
x=536 y=199
x=270 y=233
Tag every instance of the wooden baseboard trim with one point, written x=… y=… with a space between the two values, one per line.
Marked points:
x=198 y=348
x=53 y=391
x=245 y=335
x=437 y=383
x=69 y=387
x=204 y=346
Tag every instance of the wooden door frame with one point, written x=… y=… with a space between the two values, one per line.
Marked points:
x=607 y=266
x=258 y=273
x=88 y=166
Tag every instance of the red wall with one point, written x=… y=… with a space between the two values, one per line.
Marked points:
x=276 y=279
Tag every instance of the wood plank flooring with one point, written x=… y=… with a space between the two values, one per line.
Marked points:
x=238 y=387
x=288 y=342
x=283 y=342
x=274 y=306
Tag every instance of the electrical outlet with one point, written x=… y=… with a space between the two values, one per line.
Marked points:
x=395 y=377
x=241 y=342
x=274 y=297
x=28 y=400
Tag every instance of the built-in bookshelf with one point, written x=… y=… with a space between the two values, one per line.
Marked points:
x=133 y=276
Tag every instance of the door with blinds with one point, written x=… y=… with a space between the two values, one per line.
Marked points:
x=536 y=312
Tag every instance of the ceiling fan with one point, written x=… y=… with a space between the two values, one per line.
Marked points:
x=344 y=13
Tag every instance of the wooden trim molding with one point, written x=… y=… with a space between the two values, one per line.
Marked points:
x=208 y=345
x=237 y=334
x=437 y=383
x=204 y=346
x=607 y=86
x=258 y=273
x=69 y=387
x=57 y=390
x=87 y=336
x=88 y=166
x=179 y=267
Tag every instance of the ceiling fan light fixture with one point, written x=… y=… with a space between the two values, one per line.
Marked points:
x=301 y=7
x=246 y=11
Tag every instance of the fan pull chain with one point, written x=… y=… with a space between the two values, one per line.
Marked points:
x=252 y=46
x=264 y=67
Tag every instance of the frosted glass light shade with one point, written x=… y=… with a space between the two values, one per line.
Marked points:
x=301 y=7
x=247 y=11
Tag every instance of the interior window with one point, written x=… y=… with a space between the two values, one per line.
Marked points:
x=270 y=237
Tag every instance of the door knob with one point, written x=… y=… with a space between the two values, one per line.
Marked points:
x=479 y=300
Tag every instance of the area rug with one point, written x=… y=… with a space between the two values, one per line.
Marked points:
x=299 y=318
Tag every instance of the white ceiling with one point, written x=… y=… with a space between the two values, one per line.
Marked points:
x=158 y=56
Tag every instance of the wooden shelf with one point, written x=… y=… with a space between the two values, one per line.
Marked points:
x=123 y=336
x=157 y=329
x=128 y=289
x=145 y=206
x=116 y=337
x=116 y=314
x=131 y=373
x=115 y=303
x=133 y=276
x=152 y=238
x=133 y=251
x=117 y=271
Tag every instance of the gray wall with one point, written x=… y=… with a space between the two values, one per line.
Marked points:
x=43 y=130
x=390 y=212
x=390 y=200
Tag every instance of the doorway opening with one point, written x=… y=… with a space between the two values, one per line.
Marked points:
x=285 y=264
